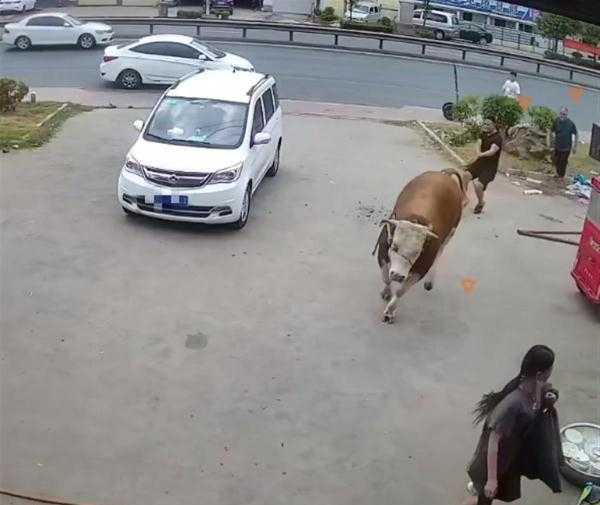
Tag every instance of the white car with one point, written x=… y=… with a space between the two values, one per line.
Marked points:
x=162 y=59
x=55 y=29
x=365 y=12
x=205 y=148
x=16 y=5
x=443 y=24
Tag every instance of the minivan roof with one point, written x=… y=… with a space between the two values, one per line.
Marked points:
x=223 y=84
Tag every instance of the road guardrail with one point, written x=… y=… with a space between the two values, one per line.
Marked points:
x=384 y=43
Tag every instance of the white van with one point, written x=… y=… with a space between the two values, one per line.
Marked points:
x=443 y=24
x=365 y=12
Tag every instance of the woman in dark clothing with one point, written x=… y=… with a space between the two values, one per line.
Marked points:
x=508 y=414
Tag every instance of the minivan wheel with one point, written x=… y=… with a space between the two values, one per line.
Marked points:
x=86 y=41
x=439 y=35
x=23 y=43
x=129 y=79
x=245 y=212
x=275 y=166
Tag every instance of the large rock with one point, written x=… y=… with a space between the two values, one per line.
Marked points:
x=527 y=142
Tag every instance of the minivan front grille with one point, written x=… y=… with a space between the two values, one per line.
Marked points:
x=176 y=179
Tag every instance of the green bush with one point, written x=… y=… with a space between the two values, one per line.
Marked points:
x=190 y=14
x=577 y=55
x=542 y=117
x=462 y=136
x=367 y=27
x=11 y=94
x=504 y=111
x=328 y=15
x=467 y=109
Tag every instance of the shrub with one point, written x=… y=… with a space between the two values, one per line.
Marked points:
x=504 y=111
x=542 y=117
x=577 y=55
x=11 y=94
x=462 y=136
x=467 y=109
x=366 y=27
x=328 y=15
x=190 y=14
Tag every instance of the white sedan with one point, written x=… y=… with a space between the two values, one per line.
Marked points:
x=55 y=29
x=162 y=59
x=16 y=5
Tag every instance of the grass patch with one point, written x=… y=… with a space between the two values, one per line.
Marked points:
x=19 y=130
x=579 y=163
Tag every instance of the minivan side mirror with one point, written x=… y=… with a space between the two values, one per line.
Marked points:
x=138 y=124
x=261 y=139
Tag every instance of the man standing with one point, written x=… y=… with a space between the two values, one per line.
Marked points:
x=566 y=138
x=484 y=168
x=511 y=87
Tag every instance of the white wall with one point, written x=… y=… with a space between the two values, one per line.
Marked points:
x=293 y=6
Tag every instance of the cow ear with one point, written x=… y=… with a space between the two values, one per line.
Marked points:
x=390 y=228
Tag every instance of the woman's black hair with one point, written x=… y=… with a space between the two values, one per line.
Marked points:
x=539 y=358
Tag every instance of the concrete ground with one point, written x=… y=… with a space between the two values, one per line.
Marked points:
x=145 y=362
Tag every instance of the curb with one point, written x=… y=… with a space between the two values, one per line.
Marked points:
x=51 y=115
x=441 y=143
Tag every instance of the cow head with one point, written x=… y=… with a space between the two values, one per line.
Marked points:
x=405 y=244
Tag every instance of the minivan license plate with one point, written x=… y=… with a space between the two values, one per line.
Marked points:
x=174 y=200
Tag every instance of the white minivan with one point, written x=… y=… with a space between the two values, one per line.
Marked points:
x=205 y=148
x=443 y=24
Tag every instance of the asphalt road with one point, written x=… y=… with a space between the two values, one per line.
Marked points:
x=146 y=362
x=327 y=76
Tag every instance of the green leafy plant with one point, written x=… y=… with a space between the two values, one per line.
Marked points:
x=557 y=27
x=458 y=137
x=577 y=55
x=504 y=111
x=190 y=14
x=328 y=15
x=367 y=27
x=467 y=109
x=11 y=94
x=542 y=117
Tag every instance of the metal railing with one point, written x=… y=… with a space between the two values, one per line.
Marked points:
x=381 y=43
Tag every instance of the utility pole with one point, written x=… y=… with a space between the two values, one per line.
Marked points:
x=207 y=5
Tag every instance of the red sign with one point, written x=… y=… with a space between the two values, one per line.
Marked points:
x=581 y=47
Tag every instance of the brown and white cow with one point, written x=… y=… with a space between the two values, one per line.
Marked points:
x=426 y=215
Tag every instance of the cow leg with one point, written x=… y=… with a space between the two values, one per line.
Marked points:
x=430 y=276
x=390 y=310
x=386 y=294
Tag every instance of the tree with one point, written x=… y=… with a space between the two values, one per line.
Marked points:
x=426 y=10
x=557 y=27
x=590 y=34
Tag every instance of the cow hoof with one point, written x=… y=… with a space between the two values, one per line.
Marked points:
x=388 y=318
x=386 y=294
x=428 y=286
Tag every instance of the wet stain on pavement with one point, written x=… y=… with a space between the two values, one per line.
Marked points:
x=196 y=341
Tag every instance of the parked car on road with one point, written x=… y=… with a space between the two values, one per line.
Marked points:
x=16 y=5
x=55 y=29
x=365 y=12
x=206 y=147
x=443 y=24
x=475 y=33
x=162 y=59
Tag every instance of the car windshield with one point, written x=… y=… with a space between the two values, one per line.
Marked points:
x=361 y=8
x=210 y=51
x=198 y=122
x=73 y=21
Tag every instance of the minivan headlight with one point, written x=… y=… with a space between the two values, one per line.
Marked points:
x=133 y=166
x=226 y=175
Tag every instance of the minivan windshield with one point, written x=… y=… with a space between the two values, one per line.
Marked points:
x=198 y=122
